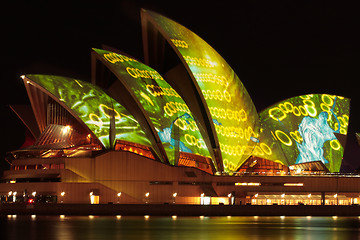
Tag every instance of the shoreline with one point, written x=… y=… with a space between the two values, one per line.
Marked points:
x=179 y=210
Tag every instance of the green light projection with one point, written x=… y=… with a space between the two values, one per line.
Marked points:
x=94 y=107
x=233 y=113
x=167 y=111
x=304 y=129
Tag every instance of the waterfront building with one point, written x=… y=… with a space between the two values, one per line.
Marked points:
x=178 y=129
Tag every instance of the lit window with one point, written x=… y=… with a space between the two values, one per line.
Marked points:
x=247 y=184
x=293 y=184
x=205 y=200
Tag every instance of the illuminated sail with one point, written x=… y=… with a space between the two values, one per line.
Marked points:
x=93 y=106
x=304 y=129
x=228 y=106
x=168 y=113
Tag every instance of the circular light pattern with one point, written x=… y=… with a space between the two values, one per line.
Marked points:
x=305 y=128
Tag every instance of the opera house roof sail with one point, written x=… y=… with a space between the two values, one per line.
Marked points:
x=89 y=104
x=168 y=115
x=228 y=110
x=195 y=113
x=304 y=129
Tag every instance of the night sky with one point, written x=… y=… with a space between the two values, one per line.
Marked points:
x=279 y=49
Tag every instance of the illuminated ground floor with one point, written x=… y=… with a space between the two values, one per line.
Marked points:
x=304 y=199
x=249 y=199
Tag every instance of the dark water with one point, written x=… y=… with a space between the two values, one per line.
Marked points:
x=224 y=228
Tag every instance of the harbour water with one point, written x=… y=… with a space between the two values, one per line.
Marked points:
x=151 y=228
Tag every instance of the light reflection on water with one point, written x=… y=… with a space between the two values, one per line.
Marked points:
x=224 y=228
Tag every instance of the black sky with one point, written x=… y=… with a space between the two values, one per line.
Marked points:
x=279 y=49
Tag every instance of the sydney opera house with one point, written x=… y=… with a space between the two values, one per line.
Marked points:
x=180 y=129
